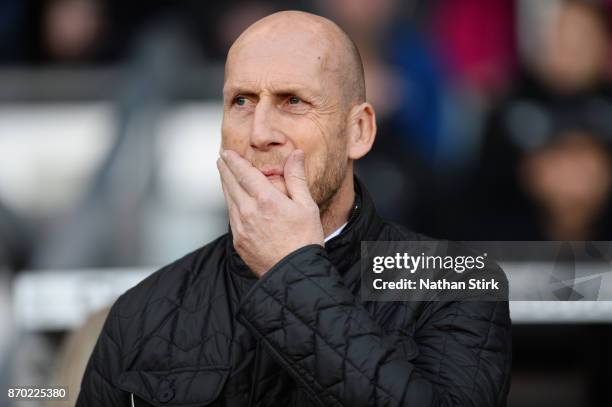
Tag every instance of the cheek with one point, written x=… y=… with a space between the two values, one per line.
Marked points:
x=314 y=133
x=234 y=135
x=321 y=141
x=308 y=137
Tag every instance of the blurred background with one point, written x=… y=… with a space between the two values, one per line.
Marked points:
x=495 y=123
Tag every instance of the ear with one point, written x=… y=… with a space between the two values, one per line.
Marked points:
x=361 y=130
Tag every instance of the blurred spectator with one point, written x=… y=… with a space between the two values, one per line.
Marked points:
x=403 y=78
x=545 y=165
x=72 y=29
x=570 y=182
x=570 y=56
x=476 y=39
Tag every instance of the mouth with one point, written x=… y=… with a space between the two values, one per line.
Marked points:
x=273 y=173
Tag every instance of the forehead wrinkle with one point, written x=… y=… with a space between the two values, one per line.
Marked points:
x=274 y=88
x=274 y=80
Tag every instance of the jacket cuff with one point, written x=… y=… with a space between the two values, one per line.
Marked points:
x=273 y=278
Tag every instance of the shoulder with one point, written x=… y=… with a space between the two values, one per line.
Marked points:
x=141 y=327
x=167 y=281
x=167 y=288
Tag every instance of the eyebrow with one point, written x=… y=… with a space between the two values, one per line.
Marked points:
x=282 y=90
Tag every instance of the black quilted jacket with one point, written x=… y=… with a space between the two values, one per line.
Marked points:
x=203 y=331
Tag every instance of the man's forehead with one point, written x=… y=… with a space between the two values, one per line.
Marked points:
x=277 y=68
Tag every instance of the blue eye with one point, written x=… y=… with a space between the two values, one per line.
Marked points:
x=240 y=100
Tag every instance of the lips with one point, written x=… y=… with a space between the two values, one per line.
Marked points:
x=272 y=173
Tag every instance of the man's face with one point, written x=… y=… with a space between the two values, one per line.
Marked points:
x=280 y=94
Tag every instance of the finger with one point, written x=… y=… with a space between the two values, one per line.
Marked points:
x=234 y=189
x=249 y=177
x=232 y=210
x=231 y=205
x=295 y=177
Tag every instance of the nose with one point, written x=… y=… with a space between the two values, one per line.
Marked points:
x=265 y=132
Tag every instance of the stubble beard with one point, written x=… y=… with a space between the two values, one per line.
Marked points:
x=325 y=181
x=326 y=185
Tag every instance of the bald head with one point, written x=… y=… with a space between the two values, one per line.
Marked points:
x=312 y=39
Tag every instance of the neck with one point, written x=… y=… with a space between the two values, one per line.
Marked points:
x=338 y=210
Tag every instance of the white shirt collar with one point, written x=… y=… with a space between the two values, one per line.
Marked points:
x=335 y=232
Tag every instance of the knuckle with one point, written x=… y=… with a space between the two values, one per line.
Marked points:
x=247 y=212
x=242 y=179
x=265 y=202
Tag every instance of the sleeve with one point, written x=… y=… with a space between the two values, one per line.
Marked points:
x=97 y=389
x=324 y=337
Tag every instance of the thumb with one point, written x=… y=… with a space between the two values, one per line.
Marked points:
x=295 y=177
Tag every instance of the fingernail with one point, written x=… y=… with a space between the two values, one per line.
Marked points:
x=224 y=153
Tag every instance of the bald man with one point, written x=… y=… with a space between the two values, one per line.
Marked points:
x=270 y=313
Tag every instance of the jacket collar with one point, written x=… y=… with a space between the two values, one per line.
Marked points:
x=344 y=249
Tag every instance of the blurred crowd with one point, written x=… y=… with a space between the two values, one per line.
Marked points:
x=495 y=116
x=494 y=123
